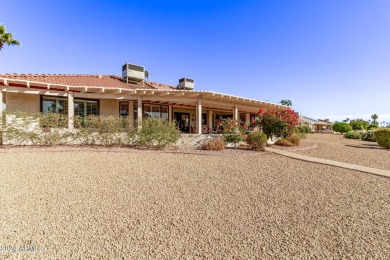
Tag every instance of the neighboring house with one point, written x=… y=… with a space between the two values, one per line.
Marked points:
x=315 y=125
x=130 y=95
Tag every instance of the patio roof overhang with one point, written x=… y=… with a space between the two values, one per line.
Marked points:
x=183 y=96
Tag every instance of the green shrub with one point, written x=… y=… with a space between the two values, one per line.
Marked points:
x=295 y=139
x=306 y=129
x=373 y=126
x=51 y=129
x=382 y=137
x=302 y=135
x=158 y=133
x=368 y=136
x=341 y=127
x=299 y=129
x=257 y=141
x=216 y=144
x=292 y=140
x=233 y=131
x=36 y=129
x=284 y=142
x=353 y=135
x=359 y=124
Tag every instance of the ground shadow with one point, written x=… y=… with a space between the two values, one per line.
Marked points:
x=365 y=146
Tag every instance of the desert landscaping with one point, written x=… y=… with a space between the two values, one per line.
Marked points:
x=66 y=202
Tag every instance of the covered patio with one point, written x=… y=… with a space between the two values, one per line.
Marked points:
x=199 y=110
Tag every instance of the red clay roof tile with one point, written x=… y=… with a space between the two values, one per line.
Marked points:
x=87 y=80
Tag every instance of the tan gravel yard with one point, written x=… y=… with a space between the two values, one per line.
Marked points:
x=336 y=147
x=98 y=203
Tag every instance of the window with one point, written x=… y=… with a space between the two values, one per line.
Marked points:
x=82 y=107
x=155 y=111
x=164 y=112
x=85 y=107
x=54 y=105
x=123 y=109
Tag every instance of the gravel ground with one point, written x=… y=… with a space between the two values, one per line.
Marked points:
x=99 y=203
x=336 y=147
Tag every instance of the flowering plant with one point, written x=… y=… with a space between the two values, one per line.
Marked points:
x=277 y=123
x=233 y=131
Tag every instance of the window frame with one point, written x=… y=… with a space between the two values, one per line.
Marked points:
x=74 y=99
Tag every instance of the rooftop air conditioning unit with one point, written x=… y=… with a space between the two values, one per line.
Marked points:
x=131 y=72
x=186 y=83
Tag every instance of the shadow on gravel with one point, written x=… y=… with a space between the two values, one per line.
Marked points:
x=366 y=146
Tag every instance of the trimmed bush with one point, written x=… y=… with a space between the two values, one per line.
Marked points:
x=353 y=135
x=284 y=142
x=372 y=126
x=368 y=136
x=306 y=129
x=295 y=139
x=292 y=140
x=359 y=124
x=216 y=144
x=382 y=137
x=158 y=133
x=257 y=141
x=302 y=135
x=51 y=129
x=341 y=127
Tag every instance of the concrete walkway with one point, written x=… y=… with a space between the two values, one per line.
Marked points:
x=350 y=166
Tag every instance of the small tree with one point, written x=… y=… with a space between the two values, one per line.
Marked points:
x=6 y=38
x=286 y=102
x=359 y=124
x=374 y=118
x=278 y=123
x=341 y=127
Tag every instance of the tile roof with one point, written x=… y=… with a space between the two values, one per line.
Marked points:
x=159 y=85
x=85 y=80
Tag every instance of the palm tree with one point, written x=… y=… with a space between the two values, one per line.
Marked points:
x=286 y=102
x=346 y=120
x=6 y=38
x=374 y=117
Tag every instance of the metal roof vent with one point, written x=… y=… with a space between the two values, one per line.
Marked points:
x=133 y=73
x=186 y=84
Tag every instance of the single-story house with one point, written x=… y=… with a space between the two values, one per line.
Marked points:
x=129 y=95
x=315 y=125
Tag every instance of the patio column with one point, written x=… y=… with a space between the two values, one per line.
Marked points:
x=199 y=116
x=139 y=111
x=247 y=118
x=131 y=111
x=170 y=116
x=1 y=115
x=210 y=119
x=70 y=110
x=1 y=102
x=235 y=112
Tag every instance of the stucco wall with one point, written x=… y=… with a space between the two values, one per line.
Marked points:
x=109 y=107
x=20 y=102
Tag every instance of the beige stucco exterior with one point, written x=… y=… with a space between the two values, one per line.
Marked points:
x=25 y=96
x=109 y=107
x=20 y=102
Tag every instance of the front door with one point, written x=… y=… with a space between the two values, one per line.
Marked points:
x=183 y=122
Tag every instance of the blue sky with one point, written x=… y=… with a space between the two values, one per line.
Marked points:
x=330 y=57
